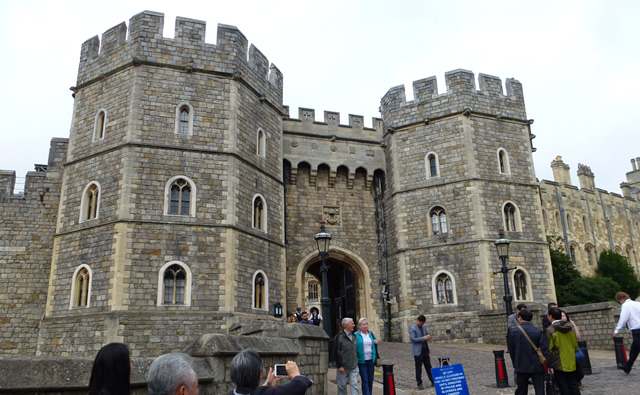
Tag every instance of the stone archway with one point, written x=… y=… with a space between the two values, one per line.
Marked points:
x=353 y=294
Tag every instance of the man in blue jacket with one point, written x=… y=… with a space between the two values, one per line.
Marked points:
x=525 y=359
x=420 y=349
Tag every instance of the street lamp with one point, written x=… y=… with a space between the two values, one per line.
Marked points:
x=323 y=239
x=502 y=245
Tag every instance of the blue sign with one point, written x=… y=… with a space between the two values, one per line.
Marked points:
x=450 y=380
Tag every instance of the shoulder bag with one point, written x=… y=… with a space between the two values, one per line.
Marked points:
x=541 y=357
x=378 y=362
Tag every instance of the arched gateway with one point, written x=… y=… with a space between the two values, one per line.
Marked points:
x=349 y=282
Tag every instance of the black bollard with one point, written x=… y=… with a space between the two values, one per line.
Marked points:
x=502 y=380
x=444 y=361
x=586 y=362
x=388 y=385
x=621 y=355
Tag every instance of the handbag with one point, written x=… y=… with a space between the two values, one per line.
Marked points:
x=378 y=362
x=551 y=388
x=541 y=357
x=579 y=355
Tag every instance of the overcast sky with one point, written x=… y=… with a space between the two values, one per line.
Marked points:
x=578 y=63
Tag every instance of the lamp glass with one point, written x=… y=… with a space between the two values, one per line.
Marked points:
x=502 y=245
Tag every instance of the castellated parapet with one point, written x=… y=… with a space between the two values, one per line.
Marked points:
x=461 y=96
x=187 y=51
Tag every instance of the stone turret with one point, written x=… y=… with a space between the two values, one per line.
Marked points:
x=586 y=177
x=561 y=173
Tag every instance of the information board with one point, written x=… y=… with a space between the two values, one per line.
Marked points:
x=450 y=380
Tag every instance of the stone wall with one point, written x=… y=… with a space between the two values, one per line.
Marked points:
x=588 y=218
x=596 y=323
x=27 y=226
x=304 y=344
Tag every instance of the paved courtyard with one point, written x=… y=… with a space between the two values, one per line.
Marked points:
x=478 y=363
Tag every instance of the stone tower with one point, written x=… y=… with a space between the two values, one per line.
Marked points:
x=459 y=168
x=172 y=196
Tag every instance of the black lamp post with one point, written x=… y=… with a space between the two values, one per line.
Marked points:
x=323 y=239
x=277 y=310
x=502 y=245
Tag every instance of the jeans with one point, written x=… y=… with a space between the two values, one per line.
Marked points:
x=366 y=375
x=423 y=359
x=348 y=377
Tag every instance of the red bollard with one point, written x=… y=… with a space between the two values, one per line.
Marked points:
x=621 y=354
x=502 y=380
x=388 y=385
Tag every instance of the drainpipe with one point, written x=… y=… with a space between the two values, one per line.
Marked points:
x=564 y=222
x=593 y=233
x=633 y=247
x=607 y=221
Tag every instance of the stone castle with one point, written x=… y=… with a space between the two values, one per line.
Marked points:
x=186 y=199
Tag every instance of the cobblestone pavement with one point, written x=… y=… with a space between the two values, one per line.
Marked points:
x=478 y=363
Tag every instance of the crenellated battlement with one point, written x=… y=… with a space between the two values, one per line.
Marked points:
x=332 y=120
x=231 y=55
x=461 y=94
x=35 y=181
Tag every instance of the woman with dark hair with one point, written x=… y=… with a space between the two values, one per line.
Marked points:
x=247 y=369
x=111 y=373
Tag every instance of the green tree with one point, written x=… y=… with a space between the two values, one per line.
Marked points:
x=617 y=268
x=585 y=290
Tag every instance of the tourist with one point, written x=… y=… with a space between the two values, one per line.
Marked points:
x=172 y=374
x=367 y=354
x=525 y=359
x=545 y=319
x=305 y=319
x=346 y=357
x=111 y=372
x=420 y=349
x=247 y=369
x=629 y=315
x=579 y=373
x=299 y=314
x=562 y=346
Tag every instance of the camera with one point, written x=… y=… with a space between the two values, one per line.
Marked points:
x=280 y=370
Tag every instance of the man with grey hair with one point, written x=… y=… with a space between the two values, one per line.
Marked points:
x=247 y=369
x=346 y=357
x=172 y=374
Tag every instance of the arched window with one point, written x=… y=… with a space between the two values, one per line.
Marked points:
x=184 y=119
x=100 y=125
x=81 y=287
x=569 y=223
x=520 y=284
x=174 y=284
x=545 y=219
x=558 y=226
x=313 y=290
x=444 y=288
x=259 y=213
x=180 y=197
x=431 y=165
x=503 y=162
x=90 y=202
x=175 y=278
x=572 y=253
x=261 y=143
x=438 y=220
x=511 y=218
x=260 y=290
x=584 y=224
x=629 y=253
